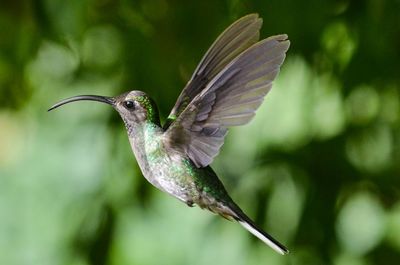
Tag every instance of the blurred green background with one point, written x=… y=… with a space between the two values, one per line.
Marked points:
x=318 y=167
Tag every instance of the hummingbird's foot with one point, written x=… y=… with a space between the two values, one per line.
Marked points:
x=190 y=203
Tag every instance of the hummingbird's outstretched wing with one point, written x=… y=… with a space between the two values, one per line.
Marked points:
x=235 y=39
x=229 y=99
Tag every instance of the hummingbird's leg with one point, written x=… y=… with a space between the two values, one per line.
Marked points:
x=190 y=203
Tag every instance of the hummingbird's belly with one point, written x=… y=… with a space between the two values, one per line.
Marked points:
x=177 y=176
x=170 y=174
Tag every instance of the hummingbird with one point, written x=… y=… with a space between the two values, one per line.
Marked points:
x=225 y=90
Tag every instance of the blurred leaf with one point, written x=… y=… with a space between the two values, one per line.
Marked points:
x=361 y=223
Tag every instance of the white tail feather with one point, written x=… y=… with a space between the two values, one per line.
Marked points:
x=275 y=246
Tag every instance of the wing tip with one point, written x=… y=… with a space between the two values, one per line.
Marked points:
x=282 y=39
x=253 y=17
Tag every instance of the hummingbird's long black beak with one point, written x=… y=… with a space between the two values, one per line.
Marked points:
x=107 y=100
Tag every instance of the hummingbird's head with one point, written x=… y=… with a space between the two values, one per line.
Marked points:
x=134 y=107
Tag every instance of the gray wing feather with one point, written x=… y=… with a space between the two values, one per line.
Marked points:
x=229 y=99
x=234 y=40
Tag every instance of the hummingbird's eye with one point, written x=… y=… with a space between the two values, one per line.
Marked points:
x=129 y=104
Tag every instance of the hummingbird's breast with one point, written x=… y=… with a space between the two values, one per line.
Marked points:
x=165 y=169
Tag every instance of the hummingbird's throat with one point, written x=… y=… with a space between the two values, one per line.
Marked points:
x=129 y=127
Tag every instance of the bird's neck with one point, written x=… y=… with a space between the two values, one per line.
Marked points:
x=143 y=135
x=145 y=140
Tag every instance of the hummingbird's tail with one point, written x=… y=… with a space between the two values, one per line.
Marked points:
x=250 y=226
